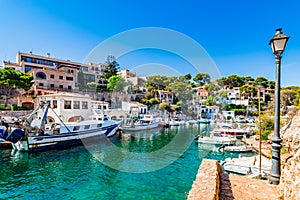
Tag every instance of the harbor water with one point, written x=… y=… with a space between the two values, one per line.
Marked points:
x=75 y=173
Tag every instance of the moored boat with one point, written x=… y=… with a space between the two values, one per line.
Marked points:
x=216 y=139
x=145 y=122
x=34 y=136
x=239 y=149
x=231 y=130
x=247 y=165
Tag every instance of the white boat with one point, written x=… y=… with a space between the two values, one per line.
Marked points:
x=239 y=149
x=216 y=139
x=247 y=165
x=145 y=122
x=32 y=137
x=177 y=122
x=231 y=130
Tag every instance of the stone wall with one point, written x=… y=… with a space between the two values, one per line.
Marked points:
x=290 y=162
x=18 y=114
x=207 y=183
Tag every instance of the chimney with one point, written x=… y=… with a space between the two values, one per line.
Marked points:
x=48 y=54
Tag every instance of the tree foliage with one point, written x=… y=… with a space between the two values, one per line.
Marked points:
x=116 y=83
x=288 y=96
x=188 y=76
x=211 y=101
x=222 y=94
x=165 y=106
x=111 y=67
x=157 y=82
x=11 y=79
x=181 y=90
x=211 y=87
x=235 y=81
x=261 y=81
x=80 y=80
x=92 y=85
x=202 y=78
x=248 y=90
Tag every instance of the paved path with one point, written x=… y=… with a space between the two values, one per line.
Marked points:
x=266 y=148
x=245 y=188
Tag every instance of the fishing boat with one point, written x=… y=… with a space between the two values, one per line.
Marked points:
x=144 y=122
x=33 y=136
x=216 y=138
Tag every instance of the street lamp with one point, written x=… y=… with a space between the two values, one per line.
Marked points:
x=277 y=43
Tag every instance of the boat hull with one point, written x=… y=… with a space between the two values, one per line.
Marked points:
x=47 y=142
x=140 y=127
x=239 y=149
x=216 y=142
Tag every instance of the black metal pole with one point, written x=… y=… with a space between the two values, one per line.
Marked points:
x=276 y=140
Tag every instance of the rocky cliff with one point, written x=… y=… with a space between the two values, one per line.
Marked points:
x=290 y=168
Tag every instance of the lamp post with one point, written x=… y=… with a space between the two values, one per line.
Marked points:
x=277 y=43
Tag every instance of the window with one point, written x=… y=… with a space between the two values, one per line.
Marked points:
x=27 y=59
x=61 y=77
x=68 y=78
x=76 y=104
x=51 y=75
x=76 y=128
x=84 y=68
x=54 y=103
x=99 y=125
x=27 y=68
x=61 y=86
x=87 y=127
x=40 y=75
x=41 y=84
x=52 y=85
x=84 y=105
x=48 y=103
x=69 y=87
x=71 y=71
x=67 y=104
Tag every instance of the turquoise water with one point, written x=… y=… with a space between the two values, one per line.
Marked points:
x=75 y=173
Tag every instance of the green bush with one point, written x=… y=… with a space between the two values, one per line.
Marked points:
x=239 y=111
x=265 y=134
x=5 y=108
x=23 y=108
x=253 y=113
x=13 y=108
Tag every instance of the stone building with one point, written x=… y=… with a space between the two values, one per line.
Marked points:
x=71 y=107
x=52 y=75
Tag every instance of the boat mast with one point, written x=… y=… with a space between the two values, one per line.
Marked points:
x=44 y=119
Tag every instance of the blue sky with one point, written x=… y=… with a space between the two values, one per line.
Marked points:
x=234 y=33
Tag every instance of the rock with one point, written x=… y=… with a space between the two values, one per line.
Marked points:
x=290 y=168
